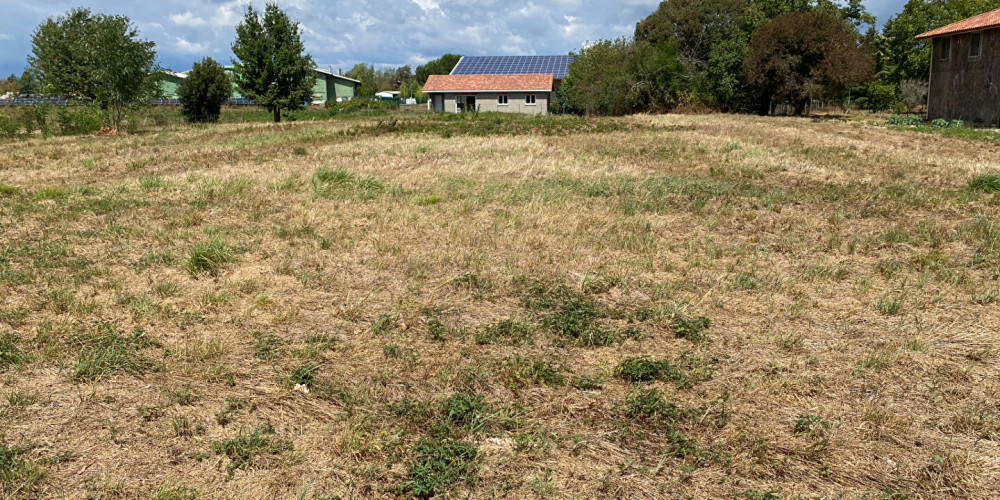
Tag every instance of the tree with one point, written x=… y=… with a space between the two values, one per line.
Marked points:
x=440 y=66
x=97 y=58
x=29 y=85
x=615 y=77
x=271 y=65
x=364 y=73
x=125 y=69
x=62 y=52
x=802 y=55
x=203 y=91
x=10 y=86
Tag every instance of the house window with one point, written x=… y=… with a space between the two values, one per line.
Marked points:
x=945 y=49
x=975 y=45
x=529 y=99
x=502 y=99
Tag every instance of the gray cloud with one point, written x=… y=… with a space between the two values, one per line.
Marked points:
x=340 y=33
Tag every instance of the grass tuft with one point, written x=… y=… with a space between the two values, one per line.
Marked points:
x=248 y=448
x=108 y=352
x=209 y=256
x=987 y=182
x=437 y=466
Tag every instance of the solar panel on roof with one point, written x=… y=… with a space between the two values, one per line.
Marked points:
x=557 y=66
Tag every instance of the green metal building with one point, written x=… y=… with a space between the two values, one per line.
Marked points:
x=328 y=86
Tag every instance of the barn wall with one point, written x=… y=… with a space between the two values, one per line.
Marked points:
x=966 y=88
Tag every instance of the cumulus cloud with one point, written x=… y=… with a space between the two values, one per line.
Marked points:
x=185 y=47
x=187 y=19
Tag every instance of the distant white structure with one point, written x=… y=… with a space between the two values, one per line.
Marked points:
x=387 y=94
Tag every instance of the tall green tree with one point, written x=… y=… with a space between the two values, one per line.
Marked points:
x=97 y=58
x=440 y=66
x=803 y=55
x=271 y=65
x=615 y=77
x=364 y=73
x=203 y=91
x=62 y=54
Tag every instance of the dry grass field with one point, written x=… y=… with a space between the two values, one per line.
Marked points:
x=648 y=307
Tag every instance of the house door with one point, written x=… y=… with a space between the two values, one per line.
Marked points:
x=470 y=103
x=437 y=103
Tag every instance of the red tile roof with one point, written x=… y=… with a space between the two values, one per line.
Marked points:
x=487 y=83
x=985 y=20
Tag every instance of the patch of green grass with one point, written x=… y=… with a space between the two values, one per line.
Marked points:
x=246 y=450
x=505 y=332
x=437 y=466
x=108 y=352
x=640 y=369
x=10 y=351
x=987 y=182
x=522 y=371
x=341 y=184
x=175 y=492
x=692 y=329
x=467 y=409
x=8 y=191
x=267 y=346
x=383 y=324
x=306 y=375
x=209 y=256
x=426 y=200
x=888 y=307
x=588 y=383
x=18 y=474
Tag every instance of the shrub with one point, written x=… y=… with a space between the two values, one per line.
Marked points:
x=904 y=121
x=360 y=105
x=78 y=120
x=203 y=91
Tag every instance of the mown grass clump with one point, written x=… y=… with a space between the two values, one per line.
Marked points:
x=108 y=352
x=987 y=182
x=640 y=369
x=18 y=475
x=209 y=256
x=438 y=465
x=520 y=371
x=247 y=449
x=339 y=184
x=505 y=332
x=10 y=351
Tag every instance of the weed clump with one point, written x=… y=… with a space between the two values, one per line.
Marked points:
x=244 y=451
x=640 y=369
x=987 y=182
x=17 y=474
x=466 y=409
x=506 y=332
x=10 y=351
x=438 y=465
x=108 y=352
x=692 y=329
x=209 y=256
x=574 y=316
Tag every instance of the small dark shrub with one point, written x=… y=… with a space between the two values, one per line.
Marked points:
x=203 y=91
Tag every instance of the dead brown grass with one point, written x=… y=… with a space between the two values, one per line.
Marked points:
x=846 y=271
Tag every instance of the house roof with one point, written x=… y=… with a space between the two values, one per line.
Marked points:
x=488 y=83
x=330 y=73
x=985 y=20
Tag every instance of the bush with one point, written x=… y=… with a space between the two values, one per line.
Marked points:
x=78 y=120
x=360 y=105
x=204 y=90
x=942 y=123
x=904 y=121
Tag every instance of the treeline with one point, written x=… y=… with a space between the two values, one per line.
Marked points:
x=402 y=79
x=757 y=55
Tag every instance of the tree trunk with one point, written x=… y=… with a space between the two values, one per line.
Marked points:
x=277 y=115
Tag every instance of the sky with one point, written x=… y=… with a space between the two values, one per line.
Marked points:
x=340 y=33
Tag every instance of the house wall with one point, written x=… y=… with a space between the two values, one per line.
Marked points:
x=487 y=102
x=169 y=85
x=344 y=88
x=964 y=88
